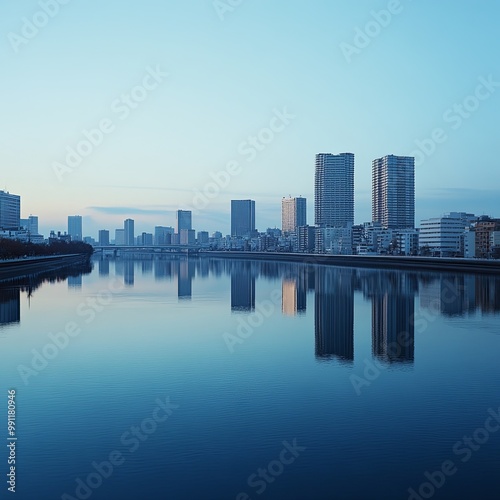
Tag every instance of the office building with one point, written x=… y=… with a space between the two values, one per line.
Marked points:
x=393 y=192
x=30 y=224
x=187 y=237
x=202 y=238
x=75 y=227
x=293 y=214
x=334 y=190
x=444 y=236
x=242 y=218
x=128 y=227
x=119 y=236
x=184 y=220
x=484 y=228
x=10 y=211
x=306 y=238
x=145 y=239
x=163 y=235
x=103 y=238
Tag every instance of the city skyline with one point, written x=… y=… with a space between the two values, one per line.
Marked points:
x=224 y=89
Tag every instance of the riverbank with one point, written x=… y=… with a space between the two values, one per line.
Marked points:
x=10 y=268
x=372 y=261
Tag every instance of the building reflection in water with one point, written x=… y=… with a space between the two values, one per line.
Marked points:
x=185 y=274
x=393 y=313
x=104 y=267
x=242 y=286
x=294 y=293
x=75 y=282
x=10 y=306
x=128 y=266
x=334 y=313
x=147 y=266
x=163 y=269
x=459 y=295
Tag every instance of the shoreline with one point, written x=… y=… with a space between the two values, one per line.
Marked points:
x=12 y=268
x=458 y=265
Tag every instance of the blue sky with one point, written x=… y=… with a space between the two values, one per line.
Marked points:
x=228 y=77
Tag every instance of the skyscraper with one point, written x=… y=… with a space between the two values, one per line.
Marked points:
x=128 y=227
x=334 y=190
x=10 y=210
x=184 y=220
x=75 y=227
x=242 y=217
x=293 y=214
x=393 y=192
x=119 y=236
x=103 y=237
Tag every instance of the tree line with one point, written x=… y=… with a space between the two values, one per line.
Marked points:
x=11 y=249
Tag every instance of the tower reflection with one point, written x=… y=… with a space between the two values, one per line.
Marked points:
x=334 y=314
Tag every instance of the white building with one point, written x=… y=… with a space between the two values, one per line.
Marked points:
x=469 y=243
x=444 y=236
x=293 y=214
x=334 y=240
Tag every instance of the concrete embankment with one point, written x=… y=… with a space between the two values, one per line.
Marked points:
x=31 y=265
x=372 y=261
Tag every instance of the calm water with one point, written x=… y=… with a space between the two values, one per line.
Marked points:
x=219 y=379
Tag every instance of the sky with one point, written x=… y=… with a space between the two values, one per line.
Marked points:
x=188 y=104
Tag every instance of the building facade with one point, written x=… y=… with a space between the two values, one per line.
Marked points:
x=334 y=190
x=485 y=226
x=163 y=235
x=103 y=237
x=293 y=214
x=10 y=211
x=393 y=192
x=75 y=227
x=242 y=218
x=184 y=220
x=444 y=236
x=129 y=237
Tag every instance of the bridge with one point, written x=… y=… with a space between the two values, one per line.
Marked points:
x=117 y=250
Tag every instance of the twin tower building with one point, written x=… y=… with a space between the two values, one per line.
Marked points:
x=393 y=191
